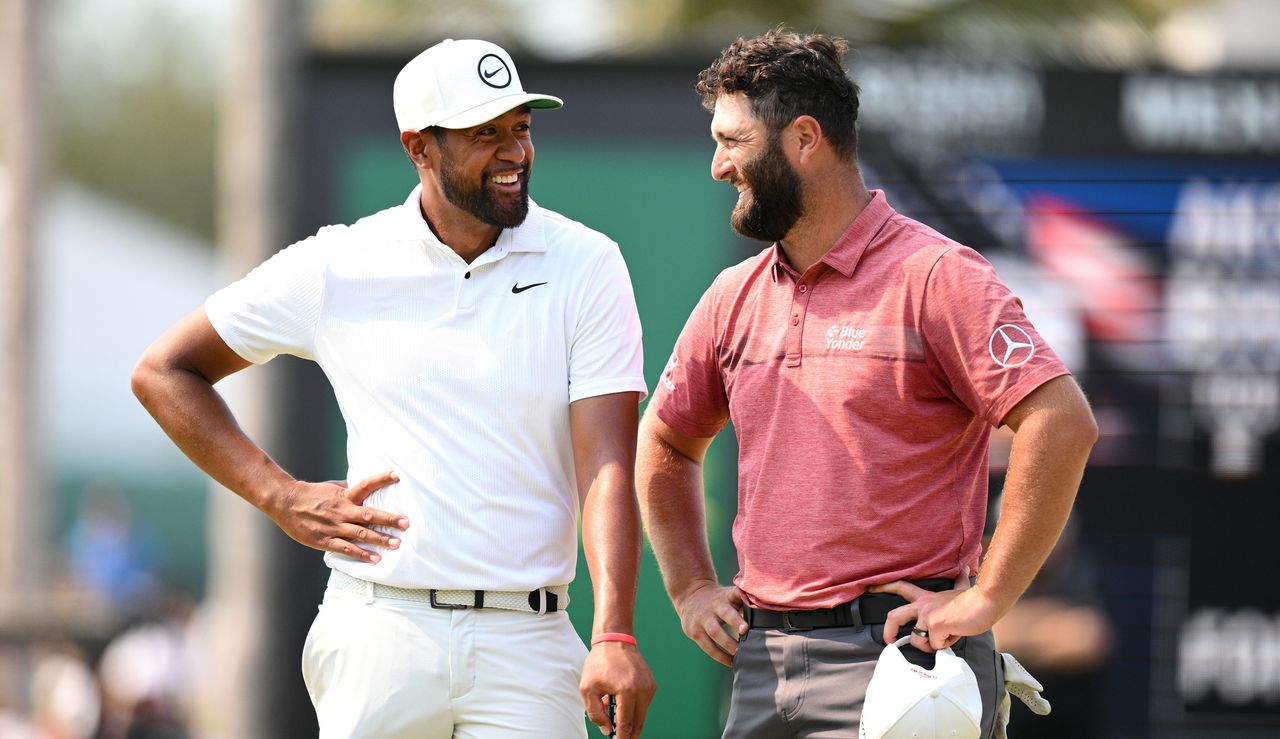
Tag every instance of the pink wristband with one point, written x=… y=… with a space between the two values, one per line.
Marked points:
x=613 y=636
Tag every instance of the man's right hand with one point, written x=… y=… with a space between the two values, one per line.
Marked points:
x=706 y=610
x=331 y=517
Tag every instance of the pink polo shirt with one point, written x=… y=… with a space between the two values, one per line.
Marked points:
x=863 y=393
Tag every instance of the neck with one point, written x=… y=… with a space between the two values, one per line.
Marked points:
x=828 y=210
x=456 y=229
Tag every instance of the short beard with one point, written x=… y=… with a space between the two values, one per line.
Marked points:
x=775 y=200
x=475 y=198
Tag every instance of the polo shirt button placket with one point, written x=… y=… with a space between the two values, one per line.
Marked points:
x=795 y=342
x=466 y=290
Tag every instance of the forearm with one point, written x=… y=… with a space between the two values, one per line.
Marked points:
x=603 y=429
x=614 y=672
x=1045 y=468
x=670 y=490
x=196 y=418
x=611 y=543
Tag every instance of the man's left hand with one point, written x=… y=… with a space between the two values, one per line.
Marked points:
x=946 y=617
x=617 y=669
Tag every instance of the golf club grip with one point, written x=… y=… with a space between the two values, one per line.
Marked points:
x=613 y=713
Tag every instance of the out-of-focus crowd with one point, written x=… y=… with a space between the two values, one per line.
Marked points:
x=127 y=670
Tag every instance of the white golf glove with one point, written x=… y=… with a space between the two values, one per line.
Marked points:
x=1019 y=682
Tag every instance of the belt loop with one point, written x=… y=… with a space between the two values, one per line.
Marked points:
x=369 y=594
x=542 y=601
x=855 y=610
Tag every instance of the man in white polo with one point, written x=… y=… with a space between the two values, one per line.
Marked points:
x=486 y=356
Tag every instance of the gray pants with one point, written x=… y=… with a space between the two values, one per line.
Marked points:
x=811 y=684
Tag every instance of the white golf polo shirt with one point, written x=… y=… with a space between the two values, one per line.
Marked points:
x=457 y=377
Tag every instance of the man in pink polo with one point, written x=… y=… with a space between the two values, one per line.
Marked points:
x=863 y=359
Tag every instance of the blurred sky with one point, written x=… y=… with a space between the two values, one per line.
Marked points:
x=125 y=31
x=125 y=37
x=133 y=33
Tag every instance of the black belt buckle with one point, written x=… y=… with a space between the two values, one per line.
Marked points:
x=446 y=606
x=543 y=600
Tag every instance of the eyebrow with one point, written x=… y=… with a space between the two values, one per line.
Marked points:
x=732 y=134
x=522 y=112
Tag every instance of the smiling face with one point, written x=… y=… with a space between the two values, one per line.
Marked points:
x=484 y=170
x=750 y=157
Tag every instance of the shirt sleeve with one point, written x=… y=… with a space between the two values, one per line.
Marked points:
x=690 y=396
x=978 y=340
x=606 y=354
x=275 y=308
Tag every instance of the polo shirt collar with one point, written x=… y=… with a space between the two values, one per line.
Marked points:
x=528 y=236
x=844 y=254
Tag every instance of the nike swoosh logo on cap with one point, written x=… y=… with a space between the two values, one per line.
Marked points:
x=488 y=75
x=517 y=288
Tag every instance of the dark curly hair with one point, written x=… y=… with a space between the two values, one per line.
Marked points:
x=785 y=75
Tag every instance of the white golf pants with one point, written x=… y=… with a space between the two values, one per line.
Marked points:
x=393 y=669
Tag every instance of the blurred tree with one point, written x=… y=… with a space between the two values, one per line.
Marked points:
x=1099 y=32
x=391 y=24
x=134 y=113
x=1094 y=32
x=135 y=107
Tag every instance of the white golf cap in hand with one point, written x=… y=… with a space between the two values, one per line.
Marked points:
x=905 y=701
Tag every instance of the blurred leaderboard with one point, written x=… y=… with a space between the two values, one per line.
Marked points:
x=1137 y=215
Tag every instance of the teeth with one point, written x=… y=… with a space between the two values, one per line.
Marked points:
x=505 y=179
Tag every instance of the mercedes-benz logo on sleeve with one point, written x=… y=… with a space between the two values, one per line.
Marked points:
x=493 y=71
x=1011 y=346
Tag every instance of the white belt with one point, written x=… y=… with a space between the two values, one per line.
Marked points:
x=542 y=600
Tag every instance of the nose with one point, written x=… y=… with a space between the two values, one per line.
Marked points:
x=511 y=149
x=721 y=167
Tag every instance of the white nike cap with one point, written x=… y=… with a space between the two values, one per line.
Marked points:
x=905 y=701
x=459 y=84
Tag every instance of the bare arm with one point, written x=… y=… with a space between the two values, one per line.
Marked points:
x=670 y=487
x=604 y=441
x=174 y=380
x=1054 y=431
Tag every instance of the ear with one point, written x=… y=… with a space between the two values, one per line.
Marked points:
x=806 y=135
x=420 y=146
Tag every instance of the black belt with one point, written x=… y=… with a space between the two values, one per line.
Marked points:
x=868 y=608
